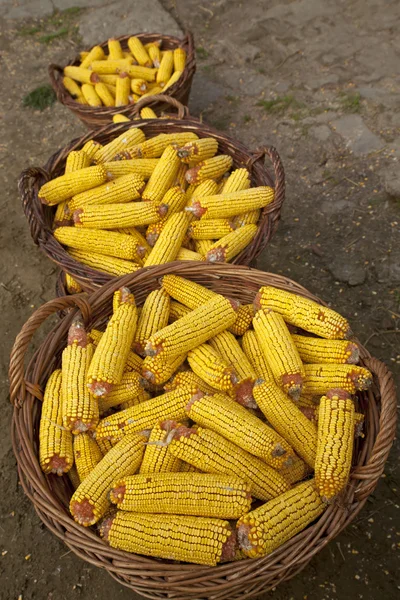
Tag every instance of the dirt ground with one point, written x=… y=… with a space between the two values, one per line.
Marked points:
x=319 y=80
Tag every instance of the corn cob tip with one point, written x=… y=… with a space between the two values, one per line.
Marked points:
x=293 y=382
x=196 y=209
x=162 y=210
x=59 y=465
x=99 y=388
x=83 y=512
x=362 y=380
x=248 y=546
x=105 y=526
x=217 y=254
x=191 y=174
x=117 y=493
x=182 y=431
x=257 y=301
x=354 y=353
x=94 y=78
x=244 y=394
x=309 y=413
x=77 y=333
x=151 y=350
x=230 y=547
x=76 y=216
x=196 y=396
x=126 y=296
x=338 y=394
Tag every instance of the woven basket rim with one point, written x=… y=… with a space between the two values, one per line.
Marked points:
x=154 y=578
x=40 y=217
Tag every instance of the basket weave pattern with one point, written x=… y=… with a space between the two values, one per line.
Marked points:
x=159 y=578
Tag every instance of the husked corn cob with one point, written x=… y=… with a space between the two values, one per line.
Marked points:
x=148 y=113
x=212 y=453
x=62 y=216
x=177 y=310
x=111 y=66
x=154 y=316
x=203 y=246
x=256 y=356
x=133 y=362
x=173 y=79
x=55 y=442
x=114 y=49
x=315 y=350
x=110 y=216
x=199 y=540
x=238 y=180
x=90 y=95
x=89 y=502
x=144 y=415
x=187 y=468
x=169 y=241
x=101 y=262
x=109 y=243
x=80 y=409
x=288 y=420
x=320 y=378
x=158 y=369
x=175 y=199
x=223 y=206
x=123 y=88
x=266 y=528
x=104 y=445
x=109 y=79
x=193 y=329
x=128 y=138
x=210 y=366
x=189 y=378
x=141 y=240
x=237 y=424
x=64 y=187
x=124 y=189
x=212 y=168
x=153 y=231
x=166 y=68
x=249 y=218
x=179 y=59
x=87 y=454
x=198 y=150
x=304 y=313
x=231 y=244
x=211 y=229
x=138 y=72
x=187 y=292
x=297 y=471
x=108 y=363
x=186 y=254
x=96 y=53
x=157 y=458
x=120 y=119
x=180 y=180
x=155 y=55
x=72 y=87
x=130 y=388
x=195 y=494
x=279 y=350
x=76 y=160
x=139 y=86
x=73 y=287
x=81 y=74
x=163 y=176
x=244 y=320
x=141 y=166
x=92 y=149
x=139 y=52
x=155 y=146
x=74 y=477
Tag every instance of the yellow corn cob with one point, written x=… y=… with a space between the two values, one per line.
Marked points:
x=189 y=378
x=256 y=356
x=111 y=353
x=165 y=69
x=198 y=150
x=87 y=454
x=96 y=53
x=64 y=187
x=111 y=216
x=138 y=72
x=142 y=396
x=187 y=292
x=212 y=453
x=196 y=494
x=223 y=206
x=185 y=254
x=114 y=49
x=157 y=458
x=90 y=95
x=123 y=89
x=153 y=231
x=180 y=180
x=118 y=245
x=89 y=502
x=144 y=415
x=210 y=366
x=104 y=445
x=158 y=369
x=92 y=149
x=76 y=160
x=139 y=86
x=80 y=409
x=297 y=471
x=148 y=113
x=154 y=316
x=74 y=477
x=163 y=176
x=315 y=350
x=155 y=146
x=199 y=540
x=248 y=218
x=141 y=240
x=132 y=136
x=130 y=388
x=177 y=310
x=120 y=190
x=179 y=59
x=111 y=66
x=120 y=119
x=155 y=55
x=104 y=93
x=320 y=378
x=170 y=240
x=141 y=166
x=192 y=188
x=172 y=80
x=109 y=79
x=73 y=287
x=244 y=320
x=101 y=262
x=55 y=442
x=187 y=468
x=62 y=216
x=133 y=362
x=237 y=181
x=81 y=74
x=139 y=52
x=237 y=424
x=288 y=420
x=203 y=246
x=212 y=229
x=175 y=199
x=229 y=246
x=72 y=87
x=193 y=329
x=212 y=168
x=266 y=528
x=304 y=313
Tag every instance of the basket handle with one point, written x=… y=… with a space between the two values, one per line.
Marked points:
x=16 y=372
x=279 y=171
x=183 y=111
x=369 y=474
x=28 y=180
x=52 y=70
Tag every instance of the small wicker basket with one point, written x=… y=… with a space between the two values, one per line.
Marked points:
x=40 y=217
x=149 y=577
x=98 y=117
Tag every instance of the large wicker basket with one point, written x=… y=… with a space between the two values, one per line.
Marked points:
x=98 y=117
x=40 y=217
x=159 y=578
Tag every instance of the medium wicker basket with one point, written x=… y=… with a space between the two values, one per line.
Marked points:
x=149 y=577
x=40 y=217
x=98 y=117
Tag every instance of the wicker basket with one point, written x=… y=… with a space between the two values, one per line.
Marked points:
x=98 y=117
x=40 y=217
x=160 y=578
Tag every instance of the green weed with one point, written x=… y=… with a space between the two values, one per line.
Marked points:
x=202 y=53
x=280 y=104
x=247 y=118
x=60 y=24
x=40 y=98
x=350 y=102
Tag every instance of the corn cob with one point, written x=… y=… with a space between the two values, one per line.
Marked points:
x=158 y=369
x=187 y=292
x=109 y=243
x=104 y=445
x=196 y=494
x=166 y=68
x=114 y=50
x=244 y=320
x=155 y=55
x=142 y=167
x=120 y=119
x=64 y=187
x=223 y=206
x=96 y=53
x=92 y=149
x=163 y=176
x=89 y=502
x=108 y=79
x=129 y=138
x=279 y=350
x=212 y=168
x=72 y=87
x=139 y=52
x=140 y=239
x=266 y=528
x=157 y=458
x=130 y=388
x=186 y=254
x=155 y=146
x=229 y=246
x=237 y=181
x=249 y=218
x=187 y=468
x=121 y=190
x=170 y=240
x=288 y=420
x=198 y=150
x=154 y=316
x=62 y=216
x=212 y=229
x=193 y=329
x=72 y=286
x=144 y=415
x=138 y=86
x=231 y=420
x=76 y=160
x=133 y=362
x=203 y=246
x=145 y=74
x=111 y=353
x=210 y=366
x=153 y=231
x=199 y=540
x=171 y=81
x=142 y=396
x=123 y=88
x=87 y=454
x=111 y=66
x=110 y=216
x=179 y=59
x=90 y=95
x=100 y=262
x=55 y=442
x=180 y=180
x=320 y=378
x=74 y=477
x=315 y=350
x=177 y=310
x=189 y=378
x=81 y=74
x=297 y=471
